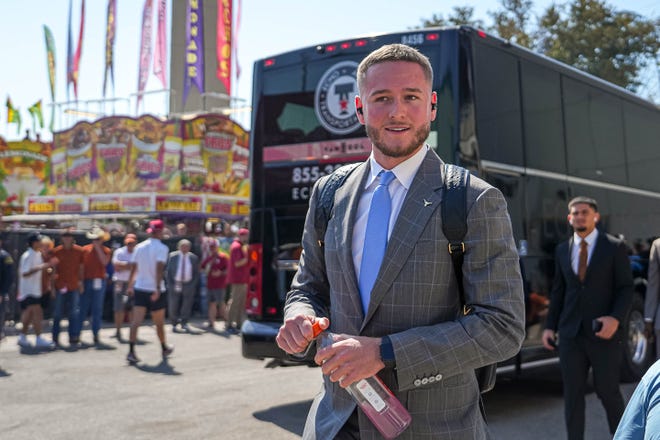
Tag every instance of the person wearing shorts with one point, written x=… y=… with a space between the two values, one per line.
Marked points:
x=146 y=286
x=122 y=262
x=30 y=267
x=217 y=264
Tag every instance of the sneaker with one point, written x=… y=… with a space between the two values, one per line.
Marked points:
x=23 y=341
x=168 y=351
x=42 y=343
x=96 y=339
x=131 y=358
x=185 y=327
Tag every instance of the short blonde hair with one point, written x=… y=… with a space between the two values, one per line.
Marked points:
x=394 y=52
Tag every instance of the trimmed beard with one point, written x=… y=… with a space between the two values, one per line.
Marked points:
x=421 y=134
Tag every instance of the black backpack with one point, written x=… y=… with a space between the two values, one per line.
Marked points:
x=454 y=226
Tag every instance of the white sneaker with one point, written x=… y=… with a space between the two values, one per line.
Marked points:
x=23 y=341
x=42 y=343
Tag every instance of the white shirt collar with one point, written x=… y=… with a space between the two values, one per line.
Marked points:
x=590 y=239
x=404 y=172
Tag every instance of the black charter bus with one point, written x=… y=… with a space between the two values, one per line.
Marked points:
x=539 y=130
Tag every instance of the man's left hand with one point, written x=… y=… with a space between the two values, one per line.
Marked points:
x=155 y=296
x=610 y=326
x=350 y=359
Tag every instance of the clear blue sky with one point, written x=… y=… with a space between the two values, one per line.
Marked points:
x=267 y=27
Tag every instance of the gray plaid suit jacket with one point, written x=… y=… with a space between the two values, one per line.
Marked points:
x=415 y=301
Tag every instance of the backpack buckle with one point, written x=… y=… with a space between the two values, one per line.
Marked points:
x=453 y=247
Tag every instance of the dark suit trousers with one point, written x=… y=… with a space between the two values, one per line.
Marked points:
x=576 y=356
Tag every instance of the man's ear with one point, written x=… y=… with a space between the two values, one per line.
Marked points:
x=358 y=109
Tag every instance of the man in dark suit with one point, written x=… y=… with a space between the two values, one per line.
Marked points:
x=591 y=295
x=407 y=326
x=182 y=277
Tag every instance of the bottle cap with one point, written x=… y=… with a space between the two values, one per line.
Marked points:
x=316 y=329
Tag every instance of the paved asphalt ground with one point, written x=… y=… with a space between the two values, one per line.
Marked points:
x=206 y=390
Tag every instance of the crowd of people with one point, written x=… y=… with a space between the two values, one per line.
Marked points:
x=71 y=281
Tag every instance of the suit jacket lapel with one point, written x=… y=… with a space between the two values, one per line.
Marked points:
x=347 y=199
x=422 y=200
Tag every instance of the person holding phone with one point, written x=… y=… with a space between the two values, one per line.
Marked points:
x=591 y=295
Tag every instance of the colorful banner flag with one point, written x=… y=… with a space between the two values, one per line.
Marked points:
x=236 y=31
x=110 y=31
x=76 y=57
x=160 y=55
x=13 y=115
x=194 y=67
x=69 y=55
x=223 y=44
x=50 y=58
x=145 y=50
x=37 y=115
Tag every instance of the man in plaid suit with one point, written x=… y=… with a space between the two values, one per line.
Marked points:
x=412 y=332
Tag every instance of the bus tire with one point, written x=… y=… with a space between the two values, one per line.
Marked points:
x=638 y=351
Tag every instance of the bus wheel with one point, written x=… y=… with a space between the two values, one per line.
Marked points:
x=639 y=352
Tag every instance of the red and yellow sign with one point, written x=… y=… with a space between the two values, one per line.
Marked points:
x=24 y=172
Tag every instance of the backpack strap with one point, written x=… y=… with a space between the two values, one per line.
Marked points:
x=454 y=220
x=327 y=198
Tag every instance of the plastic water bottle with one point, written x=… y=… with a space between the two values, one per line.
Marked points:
x=380 y=405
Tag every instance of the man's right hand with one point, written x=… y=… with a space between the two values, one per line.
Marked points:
x=296 y=333
x=549 y=339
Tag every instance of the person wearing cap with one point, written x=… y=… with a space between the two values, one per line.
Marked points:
x=122 y=262
x=30 y=268
x=591 y=295
x=182 y=277
x=68 y=285
x=145 y=284
x=238 y=280
x=217 y=265
x=96 y=257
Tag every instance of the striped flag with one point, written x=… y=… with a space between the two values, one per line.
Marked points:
x=50 y=58
x=145 y=49
x=223 y=44
x=13 y=115
x=110 y=31
x=37 y=115
x=160 y=55
x=76 y=57
x=69 y=55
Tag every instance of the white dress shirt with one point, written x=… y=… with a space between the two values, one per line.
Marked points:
x=184 y=271
x=575 y=251
x=404 y=174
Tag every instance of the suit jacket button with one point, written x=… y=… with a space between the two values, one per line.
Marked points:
x=417 y=382
x=425 y=381
x=438 y=377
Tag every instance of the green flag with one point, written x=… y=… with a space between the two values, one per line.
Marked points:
x=37 y=115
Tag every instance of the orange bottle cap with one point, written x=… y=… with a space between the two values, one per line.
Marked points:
x=316 y=329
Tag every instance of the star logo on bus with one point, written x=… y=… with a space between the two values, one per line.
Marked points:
x=333 y=102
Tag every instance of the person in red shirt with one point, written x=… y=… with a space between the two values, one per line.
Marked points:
x=68 y=285
x=238 y=279
x=216 y=282
x=95 y=259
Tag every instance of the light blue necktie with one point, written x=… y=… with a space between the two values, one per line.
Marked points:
x=375 y=237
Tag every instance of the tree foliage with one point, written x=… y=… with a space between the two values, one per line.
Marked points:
x=460 y=16
x=587 y=34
